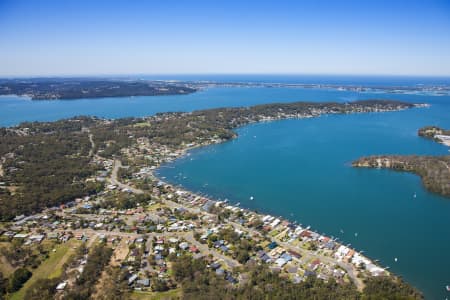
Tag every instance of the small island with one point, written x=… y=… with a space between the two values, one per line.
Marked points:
x=73 y=88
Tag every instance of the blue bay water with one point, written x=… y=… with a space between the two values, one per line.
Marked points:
x=300 y=169
x=14 y=110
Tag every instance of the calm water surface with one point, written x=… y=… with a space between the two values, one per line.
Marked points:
x=300 y=169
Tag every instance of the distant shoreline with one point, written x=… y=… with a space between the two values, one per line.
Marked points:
x=70 y=89
x=92 y=88
x=186 y=192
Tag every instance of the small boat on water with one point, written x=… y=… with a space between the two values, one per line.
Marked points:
x=251 y=198
x=447 y=287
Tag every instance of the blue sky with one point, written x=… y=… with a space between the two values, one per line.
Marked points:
x=170 y=37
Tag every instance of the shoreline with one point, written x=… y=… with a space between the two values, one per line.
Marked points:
x=161 y=139
x=377 y=268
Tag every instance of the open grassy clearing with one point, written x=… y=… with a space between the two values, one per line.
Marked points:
x=50 y=268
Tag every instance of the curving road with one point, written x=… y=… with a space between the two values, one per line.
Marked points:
x=231 y=262
x=113 y=179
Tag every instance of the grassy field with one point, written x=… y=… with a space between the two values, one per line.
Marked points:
x=50 y=268
x=172 y=294
x=273 y=233
x=142 y=124
x=155 y=206
x=5 y=267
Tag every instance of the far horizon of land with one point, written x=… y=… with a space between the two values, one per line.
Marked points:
x=72 y=88
x=77 y=88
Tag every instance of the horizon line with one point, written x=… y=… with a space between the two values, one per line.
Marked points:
x=108 y=75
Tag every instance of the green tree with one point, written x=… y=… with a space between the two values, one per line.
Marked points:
x=18 y=278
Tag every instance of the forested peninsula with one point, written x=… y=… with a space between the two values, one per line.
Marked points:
x=44 y=164
x=433 y=170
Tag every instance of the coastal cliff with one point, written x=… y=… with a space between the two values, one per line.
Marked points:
x=434 y=170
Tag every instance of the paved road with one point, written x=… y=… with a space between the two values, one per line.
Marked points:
x=204 y=248
x=113 y=179
x=1 y=170
x=188 y=236
x=309 y=255
x=91 y=139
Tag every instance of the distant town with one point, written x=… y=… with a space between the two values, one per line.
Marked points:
x=81 y=88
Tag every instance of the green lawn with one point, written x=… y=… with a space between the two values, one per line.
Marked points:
x=5 y=267
x=155 y=206
x=274 y=233
x=171 y=294
x=50 y=268
x=142 y=124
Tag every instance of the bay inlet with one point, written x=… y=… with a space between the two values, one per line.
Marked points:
x=300 y=169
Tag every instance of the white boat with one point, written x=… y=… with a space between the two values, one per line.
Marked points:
x=447 y=288
x=251 y=198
